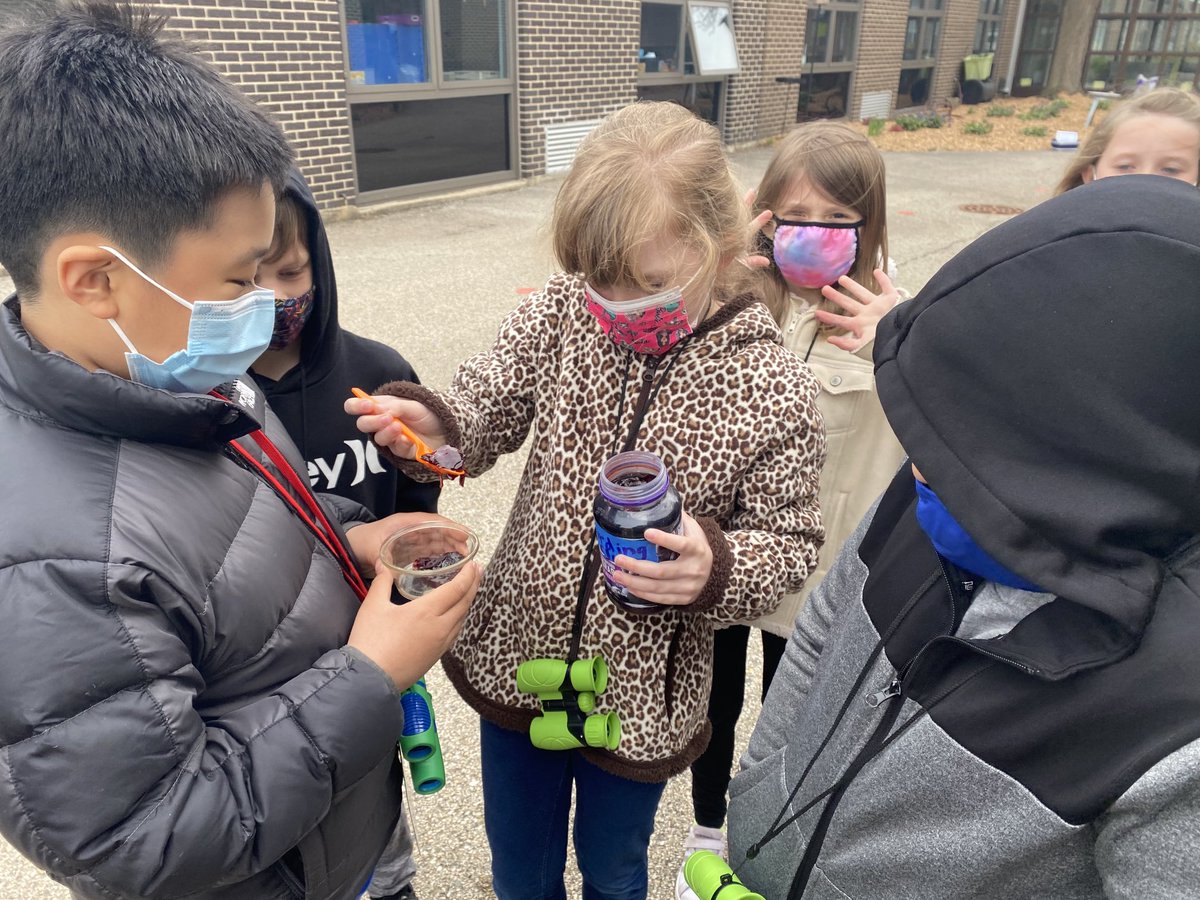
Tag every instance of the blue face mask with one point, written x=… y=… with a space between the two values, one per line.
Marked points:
x=224 y=338
x=951 y=541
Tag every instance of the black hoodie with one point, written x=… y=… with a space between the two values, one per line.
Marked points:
x=308 y=399
x=1067 y=443
x=931 y=736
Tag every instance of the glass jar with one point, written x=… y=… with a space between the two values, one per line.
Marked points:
x=635 y=494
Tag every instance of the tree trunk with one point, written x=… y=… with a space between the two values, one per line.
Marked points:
x=1070 y=50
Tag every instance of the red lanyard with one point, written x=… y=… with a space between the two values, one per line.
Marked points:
x=309 y=511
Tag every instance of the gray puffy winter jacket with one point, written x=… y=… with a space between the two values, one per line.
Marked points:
x=178 y=710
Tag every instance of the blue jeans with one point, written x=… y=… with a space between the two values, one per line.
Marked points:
x=526 y=802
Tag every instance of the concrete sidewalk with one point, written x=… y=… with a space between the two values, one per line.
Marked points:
x=435 y=281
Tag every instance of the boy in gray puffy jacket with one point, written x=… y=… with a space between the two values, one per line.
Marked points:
x=195 y=702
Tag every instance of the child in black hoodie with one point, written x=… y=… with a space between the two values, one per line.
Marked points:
x=306 y=374
x=313 y=362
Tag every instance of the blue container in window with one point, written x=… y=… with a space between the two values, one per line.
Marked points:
x=374 y=52
x=408 y=34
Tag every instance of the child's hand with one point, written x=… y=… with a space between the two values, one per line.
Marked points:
x=375 y=418
x=366 y=539
x=676 y=582
x=863 y=310
x=756 y=260
x=406 y=640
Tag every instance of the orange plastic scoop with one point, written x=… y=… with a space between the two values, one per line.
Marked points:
x=426 y=455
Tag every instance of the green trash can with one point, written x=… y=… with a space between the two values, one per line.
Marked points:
x=978 y=67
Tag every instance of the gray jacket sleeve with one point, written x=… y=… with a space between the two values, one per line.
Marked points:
x=789 y=688
x=345 y=511
x=1148 y=843
x=131 y=785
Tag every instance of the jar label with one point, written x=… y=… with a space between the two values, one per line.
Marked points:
x=612 y=546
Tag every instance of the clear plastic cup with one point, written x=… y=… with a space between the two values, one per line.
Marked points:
x=417 y=555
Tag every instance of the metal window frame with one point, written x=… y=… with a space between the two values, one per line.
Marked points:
x=669 y=79
x=1131 y=17
x=727 y=5
x=924 y=62
x=835 y=8
x=995 y=19
x=436 y=89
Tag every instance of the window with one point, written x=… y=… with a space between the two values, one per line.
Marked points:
x=386 y=43
x=913 y=89
x=431 y=91
x=922 y=39
x=420 y=141
x=686 y=47
x=474 y=40
x=712 y=34
x=701 y=97
x=1039 y=35
x=662 y=36
x=987 y=26
x=1155 y=38
x=830 y=49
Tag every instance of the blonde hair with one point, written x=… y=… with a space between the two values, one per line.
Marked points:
x=1161 y=101
x=649 y=170
x=845 y=166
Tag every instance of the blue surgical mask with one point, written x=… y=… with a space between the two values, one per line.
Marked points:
x=952 y=542
x=224 y=338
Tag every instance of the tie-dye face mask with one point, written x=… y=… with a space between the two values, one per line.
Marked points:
x=814 y=254
x=651 y=325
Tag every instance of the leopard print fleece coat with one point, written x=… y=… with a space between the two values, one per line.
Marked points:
x=736 y=423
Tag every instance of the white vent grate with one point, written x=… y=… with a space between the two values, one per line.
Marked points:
x=562 y=140
x=875 y=105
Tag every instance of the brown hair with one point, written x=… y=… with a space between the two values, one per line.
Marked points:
x=845 y=166
x=1162 y=102
x=648 y=170
x=290 y=228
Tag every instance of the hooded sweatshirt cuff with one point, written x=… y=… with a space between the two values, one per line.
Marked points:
x=407 y=390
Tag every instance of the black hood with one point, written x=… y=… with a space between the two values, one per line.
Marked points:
x=1045 y=383
x=321 y=335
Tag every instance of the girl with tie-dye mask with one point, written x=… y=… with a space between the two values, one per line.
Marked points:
x=821 y=204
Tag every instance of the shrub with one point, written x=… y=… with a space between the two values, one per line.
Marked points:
x=875 y=127
x=1041 y=111
x=1034 y=131
x=1104 y=104
x=1001 y=112
x=977 y=128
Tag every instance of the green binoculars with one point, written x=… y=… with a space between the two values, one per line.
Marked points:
x=419 y=742
x=709 y=876
x=568 y=698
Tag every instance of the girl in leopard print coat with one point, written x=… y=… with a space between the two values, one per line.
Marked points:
x=650 y=205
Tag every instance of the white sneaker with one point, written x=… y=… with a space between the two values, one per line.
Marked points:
x=699 y=838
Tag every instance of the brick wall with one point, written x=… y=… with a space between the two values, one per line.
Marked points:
x=770 y=44
x=575 y=61
x=288 y=56
x=958 y=37
x=744 y=92
x=880 y=48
